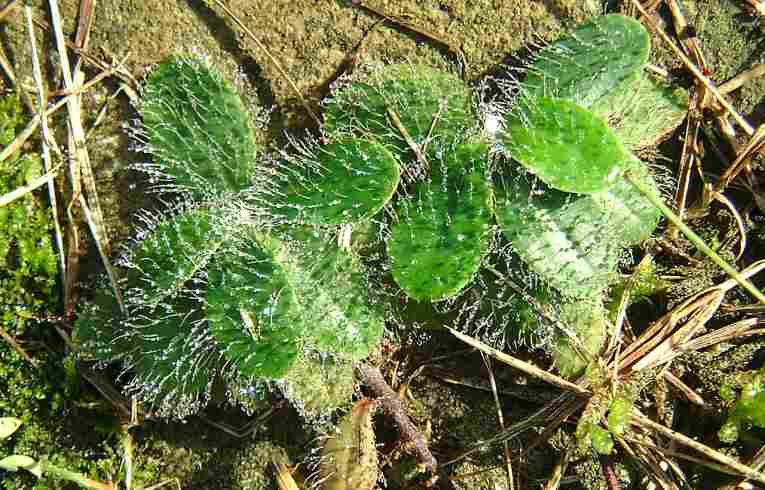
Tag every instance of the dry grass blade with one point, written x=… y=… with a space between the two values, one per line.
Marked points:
x=521 y=392
x=46 y=138
x=757 y=7
x=700 y=311
x=29 y=129
x=284 y=478
x=8 y=198
x=684 y=32
x=649 y=464
x=546 y=312
x=738 y=330
x=567 y=409
x=6 y=66
x=706 y=82
x=755 y=145
x=560 y=469
x=501 y=418
x=110 y=272
x=128 y=449
x=660 y=330
x=524 y=366
x=80 y=167
x=686 y=390
x=757 y=463
x=688 y=161
x=624 y=302
x=742 y=78
x=676 y=454
x=165 y=483
x=552 y=415
x=724 y=461
x=663 y=341
x=87 y=85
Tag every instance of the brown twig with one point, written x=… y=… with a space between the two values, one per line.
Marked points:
x=392 y=406
x=607 y=465
x=12 y=342
x=7 y=8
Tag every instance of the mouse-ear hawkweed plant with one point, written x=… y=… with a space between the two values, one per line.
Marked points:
x=247 y=282
x=211 y=293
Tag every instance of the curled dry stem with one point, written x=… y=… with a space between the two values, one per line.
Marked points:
x=500 y=417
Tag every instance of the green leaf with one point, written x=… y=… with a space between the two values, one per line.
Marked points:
x=444 y=231
x=252 y=309
x=346 y=181
x=176 y=251
x=585 y=320
x=8 y=425
x=432 y=106
x=339 y=315
x=591 y=62
x=197 y=128
x=164 y=338
x=566 y=146
x=17 y=462
x=602 y=442
x=642 y=111
x=619 y=415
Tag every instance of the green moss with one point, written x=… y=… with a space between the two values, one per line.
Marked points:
x=730 y=46
x=253 y=466
x=41 y=398
x=317 y=387
x=749 y=410
x=28 y=263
